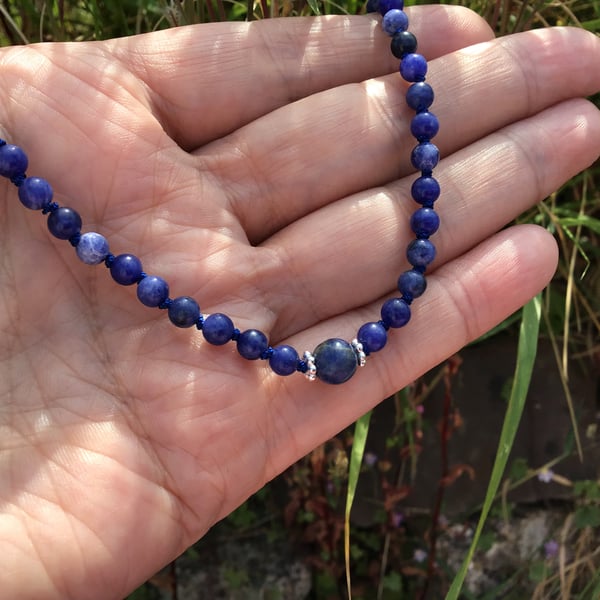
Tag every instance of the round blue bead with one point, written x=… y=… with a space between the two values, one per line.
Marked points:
x=412 y=284
x=152 y=290
x=425 y=157
x=413 y=67
x=425 y=190
x=420 y=253
x=336 y=361
x=424 y=126
x=424 y=222
x=394 y=21
x=419 y=96
x=217 y=329
x=372 y=336
x=126 y=269
x=92 y=248
x=35 y=193
x=184 y=311
x=403 y=43
x=385 y=5
x=395 y=312
x=252 y=343
x=64 y=223
x=13 y=161
x=372 y=6
x=284 y=360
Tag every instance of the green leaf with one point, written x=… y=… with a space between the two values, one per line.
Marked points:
x=314 y=6
x=526 y=353
x=587 y=516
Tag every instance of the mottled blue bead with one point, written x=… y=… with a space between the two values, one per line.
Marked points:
x=424 y=126
x=425 y=190
x=412 y=284
x=126 y=269
x=372 y=6
x=420 y=253
x=35 y=193
x=252 y=343
x=152 y=290
x=184 y=312
x=420 y=96
x=13 y=161
x=425 y=157
x=424 y=222
x=403 y=43
x=394 y=21
x=413 y=67
x=217 y=329
x=336 y=361
x=64 y=223
x=284 y=360
x=372 y=336
x=385 y=5
x=92 y=248
x=395 y=312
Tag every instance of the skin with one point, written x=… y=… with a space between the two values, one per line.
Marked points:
x=263 y=169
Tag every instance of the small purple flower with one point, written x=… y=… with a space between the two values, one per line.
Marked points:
x=370 y=459
x=551 y=548
x=397 y=518
x=546 y=475
x=420 y=409
x=420 y=555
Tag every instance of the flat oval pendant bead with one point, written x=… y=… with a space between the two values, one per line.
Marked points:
x=184 y=312
x=335 y=360
x=92 y=248
x=35 y=193
x=284 y=360
x=126 y=269
x=217 y=329
x=252 y=343
x=13 y=161
x=152 y=291
x=64 y=223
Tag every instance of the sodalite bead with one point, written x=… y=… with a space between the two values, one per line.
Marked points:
x=13 y=161
x=35 y=193
x=126 y=269
x=413 y=67
x=64 y=223
x=420 y=253
x=403 y=43
x=184 y=312
x=252 y=343
x=335 y=360
x=92 y=248
x=386 y=5
x=425 y=157
x=394 y=21
x=425 y=190
x=412 y=284
x=372 y=336
x=395 y=312
x=424 y=222
x=424 y=126
x=284 y=360
x=217 y=329
x=152 y=290
x=419 y=96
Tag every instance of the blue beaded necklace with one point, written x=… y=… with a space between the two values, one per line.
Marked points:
x=334 y=360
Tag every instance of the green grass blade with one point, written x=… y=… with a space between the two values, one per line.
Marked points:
x=527 y=349
x=361 y=430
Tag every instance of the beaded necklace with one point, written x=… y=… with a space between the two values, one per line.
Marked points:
x=334 y=360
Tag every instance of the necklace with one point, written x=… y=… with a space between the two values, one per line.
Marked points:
x=334 y=360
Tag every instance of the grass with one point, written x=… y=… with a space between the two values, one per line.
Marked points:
x=567 y=314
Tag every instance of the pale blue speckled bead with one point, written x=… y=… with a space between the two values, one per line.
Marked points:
x=92 y=248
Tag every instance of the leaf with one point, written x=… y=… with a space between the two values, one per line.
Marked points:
x=587 y=516
x=526 y=353
x=314 y=6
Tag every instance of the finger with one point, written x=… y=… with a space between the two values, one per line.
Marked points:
x=355 y=137
x=359 y=242
x=208 y=80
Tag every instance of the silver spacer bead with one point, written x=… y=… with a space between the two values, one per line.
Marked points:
x=360 y=353
x=311 y=372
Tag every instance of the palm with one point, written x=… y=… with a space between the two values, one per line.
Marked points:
x=125 y=438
